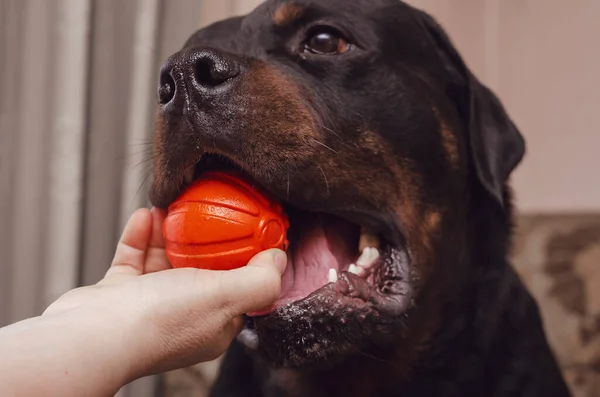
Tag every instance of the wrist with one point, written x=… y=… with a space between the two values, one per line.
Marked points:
x=75 y=351
x=101 y=345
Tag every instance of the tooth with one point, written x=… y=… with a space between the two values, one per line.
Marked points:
x=188 y=177
x=368 y=257
x=359 y=271
x=364 y=257
x=367 y=239
x=374 y=254
x=332 y=276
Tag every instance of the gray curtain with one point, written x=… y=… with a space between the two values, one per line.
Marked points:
x=77 y=99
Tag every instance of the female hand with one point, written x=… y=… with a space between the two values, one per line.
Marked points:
x=142 y=318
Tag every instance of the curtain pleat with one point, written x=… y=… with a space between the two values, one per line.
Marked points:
x=77 y=103
x=142 y=101
x=109 y=88
x=29 y=193
x=66 y=128
x=12 y=16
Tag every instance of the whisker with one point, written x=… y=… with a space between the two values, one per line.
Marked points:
x=377 y=358
x=324 y=145
x=144 y=143
x=144 y=160
x=321 y=125
x=326 y=128
x=324 y=177
x=145 y=152
x=147 y=160
x=142 y=184
x=335 y=134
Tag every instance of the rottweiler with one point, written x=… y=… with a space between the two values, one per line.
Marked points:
x=392 y=162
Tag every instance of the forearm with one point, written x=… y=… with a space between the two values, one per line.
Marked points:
x=72 y=354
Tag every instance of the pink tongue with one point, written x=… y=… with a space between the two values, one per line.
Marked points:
x=323 y=242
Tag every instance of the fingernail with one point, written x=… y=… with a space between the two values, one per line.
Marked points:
x=280 y=259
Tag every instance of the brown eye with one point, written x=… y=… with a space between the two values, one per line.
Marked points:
x=327 y=43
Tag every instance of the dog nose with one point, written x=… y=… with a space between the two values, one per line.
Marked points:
x=200 y=69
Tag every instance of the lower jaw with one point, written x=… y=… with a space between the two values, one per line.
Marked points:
x=328 y=254
x=387 y=289
x=333 y=321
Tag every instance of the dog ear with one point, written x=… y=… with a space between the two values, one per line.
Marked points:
x=496 y=145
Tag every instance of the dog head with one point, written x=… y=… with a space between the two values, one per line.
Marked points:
x=364 y=121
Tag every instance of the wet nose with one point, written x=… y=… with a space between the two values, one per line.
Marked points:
x=204 y=70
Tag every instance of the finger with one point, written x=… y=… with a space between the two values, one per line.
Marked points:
x=131 y=251
x=251 y=287
x=157 y=239
x=156 y=257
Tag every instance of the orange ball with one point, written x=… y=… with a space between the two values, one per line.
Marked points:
x=220 y=222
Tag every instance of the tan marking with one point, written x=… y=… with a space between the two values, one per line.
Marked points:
x=450 y=144
x=281 y=121
x=432 y=221
x=407 y=184
x=448 y=141
x=421 y=223
x=287 y=14
x=429 y=228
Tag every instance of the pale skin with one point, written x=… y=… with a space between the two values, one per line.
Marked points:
x=142 y=318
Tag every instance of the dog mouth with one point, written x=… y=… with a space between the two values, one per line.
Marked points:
x=348 y=278
x=322 y=248
x=330 y=254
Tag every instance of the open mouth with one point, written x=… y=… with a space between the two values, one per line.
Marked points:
x=322 y=247
x=331 y=254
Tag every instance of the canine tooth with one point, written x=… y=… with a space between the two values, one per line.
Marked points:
x=359 y=271
x=374 y=255
x=368 y=257
x=353 y=269
x=332 y=276
x=188 y=177
x=367 y=239
x=364 y=257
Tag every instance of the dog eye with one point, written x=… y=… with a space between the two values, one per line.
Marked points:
x=326 y=42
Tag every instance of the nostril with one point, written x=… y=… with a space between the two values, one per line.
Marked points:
x=212 y=71
x=204 y=73
x=166 y=89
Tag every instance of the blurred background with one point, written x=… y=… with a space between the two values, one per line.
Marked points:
x=77 y=99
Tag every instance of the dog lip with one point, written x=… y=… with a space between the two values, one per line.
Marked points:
x=349 y=302
x=389 y=292
x=164 y=194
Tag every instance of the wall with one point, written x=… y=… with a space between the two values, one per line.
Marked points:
x=542 y=58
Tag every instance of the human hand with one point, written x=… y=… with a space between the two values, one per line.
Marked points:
x=163 y=318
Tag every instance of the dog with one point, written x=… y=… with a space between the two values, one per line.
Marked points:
x=392 y=161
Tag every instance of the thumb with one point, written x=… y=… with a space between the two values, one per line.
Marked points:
x=252 y=287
